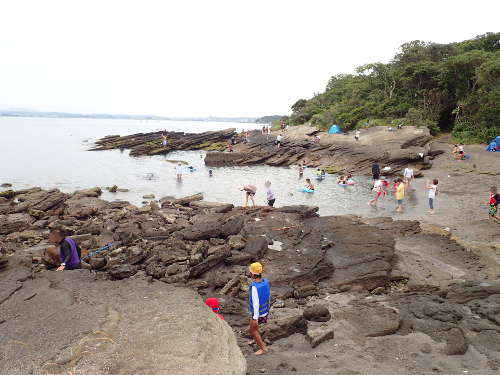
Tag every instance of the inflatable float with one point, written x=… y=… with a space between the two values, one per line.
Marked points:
x=306 y=190
x=320 y=177
x=192 y=169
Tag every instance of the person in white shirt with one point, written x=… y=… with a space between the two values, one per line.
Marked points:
x=432 y=187
x=378 y=190
x=408 y=176
x=357 y=134
x=269 y=194
x=178 y=171
x=279 y=138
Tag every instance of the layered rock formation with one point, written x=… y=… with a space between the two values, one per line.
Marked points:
x=334 y=154
x=333 y=278
x=151 y=143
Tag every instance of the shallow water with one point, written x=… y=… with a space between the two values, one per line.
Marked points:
x=52 y=153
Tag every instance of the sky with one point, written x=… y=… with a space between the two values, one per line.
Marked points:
x=207 y=57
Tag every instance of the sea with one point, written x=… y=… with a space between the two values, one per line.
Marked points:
x=54 y=153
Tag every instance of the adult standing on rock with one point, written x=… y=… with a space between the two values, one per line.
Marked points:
x=250 y=191
x=69 y=251
x=259 y=303
x=375 y=170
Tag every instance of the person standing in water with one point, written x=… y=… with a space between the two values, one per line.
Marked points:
x=379 y=190
x=375 y=171
x=269 y=194
x=408 y=176
x=433 y=191
x=178 y=172
x=301 y=170
x=250 y=191
x=259 y=303
x=400 y=194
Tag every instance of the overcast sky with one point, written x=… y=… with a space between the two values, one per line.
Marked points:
x=207 y=57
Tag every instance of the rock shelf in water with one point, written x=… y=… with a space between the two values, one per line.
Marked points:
x=151 y=143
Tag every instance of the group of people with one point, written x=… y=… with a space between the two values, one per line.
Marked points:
x=458 y=152
x=250 y=191
x=345 y=179
x=401 y=185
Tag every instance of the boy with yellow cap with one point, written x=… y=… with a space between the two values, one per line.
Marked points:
x=259 y=303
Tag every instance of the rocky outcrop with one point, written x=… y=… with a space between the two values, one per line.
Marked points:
x=309 y=260
x=336 y=155
x=151 y=143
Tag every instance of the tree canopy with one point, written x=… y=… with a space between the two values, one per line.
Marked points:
x=447 y=87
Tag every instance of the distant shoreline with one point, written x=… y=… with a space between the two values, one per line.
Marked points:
x=104 y=116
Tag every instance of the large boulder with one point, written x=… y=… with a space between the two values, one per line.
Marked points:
x=41 y=200
x=256 y=247
x=371 y=320
x=362 y=254
x=111 y=322
x=83 y=207
x=212 y=206
x=15 y=223
x=456 y=343
x=281 y=327
x=318 y=335
x=317 y=313
x=204 y=229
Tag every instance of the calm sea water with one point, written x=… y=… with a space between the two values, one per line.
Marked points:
x=52 y=153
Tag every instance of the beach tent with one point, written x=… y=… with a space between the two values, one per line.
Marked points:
x=335 y=129
x=494 y=145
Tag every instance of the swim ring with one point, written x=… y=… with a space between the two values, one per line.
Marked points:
x=305 y=190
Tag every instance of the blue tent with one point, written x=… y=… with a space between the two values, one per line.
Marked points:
x=335 y=129
x=494 y=145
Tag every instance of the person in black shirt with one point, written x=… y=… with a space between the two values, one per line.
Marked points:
x=375 y=171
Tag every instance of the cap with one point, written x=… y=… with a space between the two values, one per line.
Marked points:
x=256 y=268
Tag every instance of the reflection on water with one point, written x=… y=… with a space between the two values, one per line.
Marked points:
x=52 y=153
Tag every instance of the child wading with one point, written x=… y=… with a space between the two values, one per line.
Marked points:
x=400 y=194
x=433 y=191
x=309 y=184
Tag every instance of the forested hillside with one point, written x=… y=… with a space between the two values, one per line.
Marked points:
x=446 y=87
